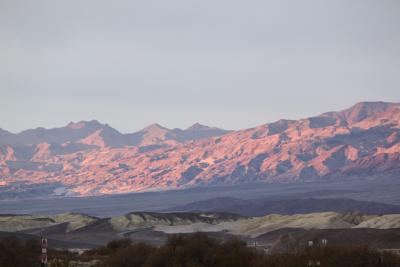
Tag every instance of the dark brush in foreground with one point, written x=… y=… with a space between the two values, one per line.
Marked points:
x=193 y=250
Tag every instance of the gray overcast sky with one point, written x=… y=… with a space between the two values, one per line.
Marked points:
x=226 y=63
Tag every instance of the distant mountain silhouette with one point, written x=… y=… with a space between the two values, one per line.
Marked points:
x=102 y=135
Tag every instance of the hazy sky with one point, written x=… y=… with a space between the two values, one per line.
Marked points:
x=226 y=63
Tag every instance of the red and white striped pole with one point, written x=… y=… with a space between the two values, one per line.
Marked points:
x=44 y=252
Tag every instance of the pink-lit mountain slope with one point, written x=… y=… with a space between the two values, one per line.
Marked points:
x=89 y=158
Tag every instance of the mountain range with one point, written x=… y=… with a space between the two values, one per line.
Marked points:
x=90 y=158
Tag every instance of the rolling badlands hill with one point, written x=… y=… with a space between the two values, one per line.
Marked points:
x=153 y=228
x=89 y=231
x=89 y=158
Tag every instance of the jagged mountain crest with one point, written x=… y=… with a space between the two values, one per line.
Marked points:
x=363 y=110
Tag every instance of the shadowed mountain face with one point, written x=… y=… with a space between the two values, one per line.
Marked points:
x=260 y=207
x=89 y=158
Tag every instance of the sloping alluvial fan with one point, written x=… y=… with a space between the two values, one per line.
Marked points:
x=89 y=158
